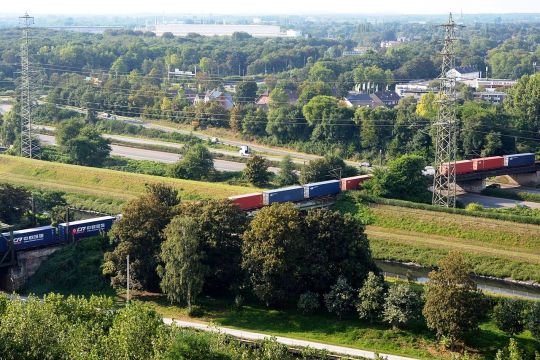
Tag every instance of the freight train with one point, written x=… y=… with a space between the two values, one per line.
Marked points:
x=490 y=163
x=67 y=232
x=50 y=235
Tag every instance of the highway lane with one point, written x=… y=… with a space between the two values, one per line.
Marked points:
x=495 y=202
x=161 y=156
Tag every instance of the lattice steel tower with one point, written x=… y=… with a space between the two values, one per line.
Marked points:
x=29 y=147
x=444 y=182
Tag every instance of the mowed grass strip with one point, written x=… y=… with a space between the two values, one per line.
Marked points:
x=103 y=183
x=485 y=232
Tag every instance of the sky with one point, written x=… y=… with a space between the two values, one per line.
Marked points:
x=245 y=7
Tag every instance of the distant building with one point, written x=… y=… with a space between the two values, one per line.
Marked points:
x=491 y=96
x=356 y=99
x=478 y=83
x=390 y=43
x=357 y=51
x=388 y=98
x=256 y=30
x=225 y=99
x=463 y=73
x=263 y=101
x=415 y=89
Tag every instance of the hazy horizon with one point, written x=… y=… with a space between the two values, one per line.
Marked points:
x=277 y=7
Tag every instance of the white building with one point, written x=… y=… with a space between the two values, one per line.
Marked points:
x=490 y=83
x=414 y=88
x=463 y=73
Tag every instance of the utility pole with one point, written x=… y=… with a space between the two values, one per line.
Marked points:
x=444 y=181
x=127 y=282
x=29 y=148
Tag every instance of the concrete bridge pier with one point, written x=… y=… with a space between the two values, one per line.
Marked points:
x=526 y=179
x=13 y=278
x=472 y=186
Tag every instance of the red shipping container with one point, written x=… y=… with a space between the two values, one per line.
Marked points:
x=462 y=167
x=248 y=201
x=488 y=163
x=353 y=182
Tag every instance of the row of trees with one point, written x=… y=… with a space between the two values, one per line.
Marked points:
x=72 y=328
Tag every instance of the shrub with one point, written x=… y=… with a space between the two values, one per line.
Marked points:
x=533 y=320
x=402 y=305
x=340 y=299
x=371 y=298
x=509 y=316
x=195 y=312
x=308 y=303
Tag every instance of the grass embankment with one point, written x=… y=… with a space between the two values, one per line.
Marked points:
x=94 y=185
x=493 y=247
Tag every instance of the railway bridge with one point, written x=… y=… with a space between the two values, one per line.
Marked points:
x=475 y=182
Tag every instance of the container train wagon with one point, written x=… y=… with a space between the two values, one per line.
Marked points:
x=490 y=163
x=298 y=193
x=48 y=235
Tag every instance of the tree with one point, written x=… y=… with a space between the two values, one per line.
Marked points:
x=15 y=203
x=331 y=122
x=371 y=298
x=286 y=123
x=246 y=92
x=271 y=245
x=340 y=299
x=402 y=306
x=236 y=118
x=402 y=179
x=255 y=121
x=256 y=171
x=67 y=131
x=336 y=244
x=533 y=319
x=427 y=106
x=139 y=234
x=220 y=225
x=327 y=168
x=512 y=352
x=197 y=164
x=287 y=175
x=88 y=148
x=452 y=298
x=375 y=128
x=509 y=315
x=182 y=273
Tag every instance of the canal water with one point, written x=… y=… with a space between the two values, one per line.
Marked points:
x=497 y=286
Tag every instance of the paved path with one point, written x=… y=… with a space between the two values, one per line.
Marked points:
x=495 y=202
x=248 y=335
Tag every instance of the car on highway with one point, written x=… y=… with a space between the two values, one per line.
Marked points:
x=244 y=150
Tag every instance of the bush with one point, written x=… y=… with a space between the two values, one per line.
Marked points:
x=371 y=298
x=402 y=305
x=340 y=299
x=308 y=303
x=509 y=316
x=195 y=312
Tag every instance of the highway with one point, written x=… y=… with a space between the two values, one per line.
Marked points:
x=161 y=156
x=495 y=202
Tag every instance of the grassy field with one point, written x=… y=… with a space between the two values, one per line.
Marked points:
x=105 y=185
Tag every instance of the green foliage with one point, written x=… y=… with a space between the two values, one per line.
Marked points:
x=308 y=303
x=509 y=315
x=287 y=175
x=331 y=122
x=533 y=320
x=452 y=299
x=340 y=300
x=182 y=273
x=256 y=171
x=286 y=123
x=67 y=272
x=246 y=92
x=402 y=305
x=402 y=179
x=139 y=234
x=375 y=129
x=82 y=144
x=371 y=298
x=512 y=352
x=15 y=203
x=196 y=164
x=327 y=168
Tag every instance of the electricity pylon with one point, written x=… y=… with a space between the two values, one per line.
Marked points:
x=29 y=147
x=444 y=181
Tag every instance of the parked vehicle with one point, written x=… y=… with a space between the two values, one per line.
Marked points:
x=244 y=150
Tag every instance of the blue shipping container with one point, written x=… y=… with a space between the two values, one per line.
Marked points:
x=292 y=193
x=519 y=160
x=323 y=188
x=30 y=238
x=85 y=228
